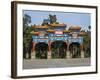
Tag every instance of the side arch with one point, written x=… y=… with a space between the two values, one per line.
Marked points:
x=41 y=49
x=75 y=49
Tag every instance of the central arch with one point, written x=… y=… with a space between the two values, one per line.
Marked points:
x=75 y=50
x=41 y=49
x=58 y=49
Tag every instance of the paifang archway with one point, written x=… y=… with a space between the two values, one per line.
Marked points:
x=58 y=49
x=41 y=50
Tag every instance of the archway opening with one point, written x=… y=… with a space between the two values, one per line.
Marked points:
x=75 y=50
x=41 y=49
x=58 y=49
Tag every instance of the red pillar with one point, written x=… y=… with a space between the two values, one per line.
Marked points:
x=49 y=51
x=68 y=54
x=81 y=46
x=82 y=52
x=33 y=51
x=49 y=45
x=33 y=46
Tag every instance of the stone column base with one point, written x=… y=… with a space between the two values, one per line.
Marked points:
x=82 y=54
x=33 y=55
x=49 y=55
x=27 y=55
x=68 y=56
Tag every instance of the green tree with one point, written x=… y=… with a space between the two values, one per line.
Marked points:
x=26 y=20
x=27 y=37
x=89 y=27
x=87 y=44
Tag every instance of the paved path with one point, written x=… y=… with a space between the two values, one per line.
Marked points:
x=55 y=63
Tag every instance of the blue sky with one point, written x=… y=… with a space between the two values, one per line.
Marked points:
x=69 y=18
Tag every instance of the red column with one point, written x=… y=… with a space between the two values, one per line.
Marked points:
x=81 y=46
x=82 y=52
x=68 y=54
x=33 y=51
x=49 y=51
x=49 y=45
x=33 y=47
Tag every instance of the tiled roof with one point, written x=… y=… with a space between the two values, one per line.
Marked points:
x=51 y=31
x=82 y=33
x=57 y=25
x=40 y=26
x=66 y=31
x=35 y=33
x=75 y=28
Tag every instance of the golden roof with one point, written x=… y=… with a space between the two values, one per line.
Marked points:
x=82 y=33
x=75 y=28
x=34 y=33
x=67 y=31
x=51 y=30
x=40 y=26
x=57 y=25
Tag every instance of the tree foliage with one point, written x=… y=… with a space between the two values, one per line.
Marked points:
x=87 y=42
x=27 y=37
